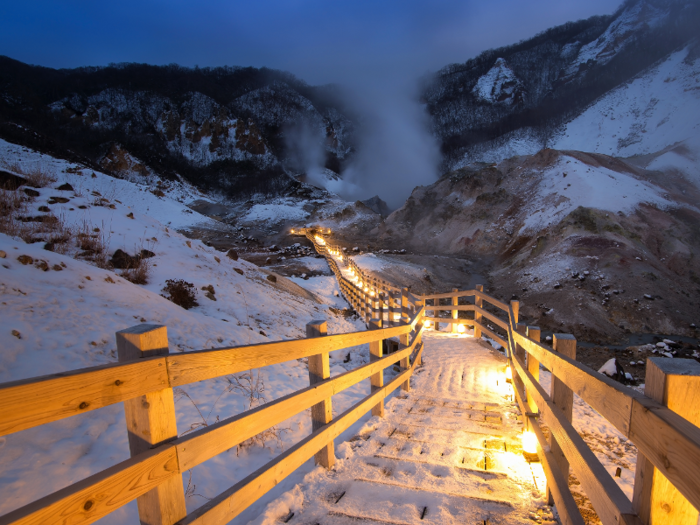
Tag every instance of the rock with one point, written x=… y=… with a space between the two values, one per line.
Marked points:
x=44 y=209
x=638 y=258
x=232 y=254
x=268 y=260
x=356 y=249
x=3 y=254
x=271 y=278
x=238 y=271
x=25 y=259
x=209 y=288
x=65 y=187
x=210 y=295
x=31 y=193
x=147 y=254
x=263 y=333
x=57 y=268
x=16 y=334
x=586 y=272
x=649 y=297
x=59 y=200
x=122 y=260
x=130 y=215
x=42 y=265
x=613 y=369
x=557 y=286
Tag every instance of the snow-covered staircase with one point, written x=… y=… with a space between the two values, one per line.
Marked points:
x=448 y=451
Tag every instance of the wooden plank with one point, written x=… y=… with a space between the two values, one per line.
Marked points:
x=35 y=401
x=204 y=444
x=492 y=335
x=612 y=400
x=321 y=412
x=445 y=295
x=533 y=365
x=94 y=497
x=561 y=396
x=190 y=367
x=460 y=307
x=557 y=484
x=492 y=300
x=478 y=303
x=447 y=320
x=376 y=380
x=491 y=317
x=607 y=497
x=675 y=384
x=235 y=500
x=150 y=422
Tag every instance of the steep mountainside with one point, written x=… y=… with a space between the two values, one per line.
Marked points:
x=582 y=238
x=224 y=128
x=520 y=95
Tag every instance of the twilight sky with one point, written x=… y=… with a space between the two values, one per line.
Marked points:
x=375 y=48
x=318 y=40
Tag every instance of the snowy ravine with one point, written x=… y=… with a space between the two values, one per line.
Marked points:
x=65 y=318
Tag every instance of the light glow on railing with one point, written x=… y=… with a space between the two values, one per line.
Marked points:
x=320 y=240
x=428 y=324
x=509 y=374
x=529 y=442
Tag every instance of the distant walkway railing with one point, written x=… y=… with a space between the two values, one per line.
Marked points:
x=662 y=424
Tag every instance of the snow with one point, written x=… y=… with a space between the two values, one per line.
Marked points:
x=424 y=461
x=654 y=111
x=498 y=85
x=66 y=320
x=284 y=210
x=609 y=368
x=571 y=183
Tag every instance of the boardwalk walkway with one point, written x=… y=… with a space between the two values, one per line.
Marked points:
x=446 y=452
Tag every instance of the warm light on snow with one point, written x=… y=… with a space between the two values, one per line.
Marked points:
x=509 y=374
x=529 y=442
x=461 y=329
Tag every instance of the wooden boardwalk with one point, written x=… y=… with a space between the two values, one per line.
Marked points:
x=449 y=451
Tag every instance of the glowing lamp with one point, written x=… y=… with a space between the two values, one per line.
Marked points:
x=509 y=375
x=292 y=230
x=529 y=441
x=371 y=293
x=428 y=324
x=461 y=329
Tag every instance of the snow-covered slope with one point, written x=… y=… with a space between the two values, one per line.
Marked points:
x=58 y=313
x=651 y=115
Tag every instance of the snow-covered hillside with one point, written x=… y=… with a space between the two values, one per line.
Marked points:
x=655 y=114
x=60 y=313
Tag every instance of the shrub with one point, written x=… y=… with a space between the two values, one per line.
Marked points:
x=181 y=293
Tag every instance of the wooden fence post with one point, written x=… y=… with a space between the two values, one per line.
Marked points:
x=563 y=398
x=478 y=301
x=321 y=413
x=376 y=380
x=674 y=383
x=455 y=313
x=533 y=365
x=150 y=421
x=520 y=353
x=405 y=314
x=405 y=340
x=436 y=314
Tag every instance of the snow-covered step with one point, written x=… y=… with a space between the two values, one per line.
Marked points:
x=394 y=501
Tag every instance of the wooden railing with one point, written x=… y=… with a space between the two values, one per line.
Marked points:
x=144 y=380
x=662 y=423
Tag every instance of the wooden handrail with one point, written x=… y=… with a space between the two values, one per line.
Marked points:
x=35 y=401
x=235 y=500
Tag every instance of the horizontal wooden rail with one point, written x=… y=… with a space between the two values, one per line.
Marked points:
x=190 y=367
x=446 y=295
x=492 y=335
x=219 y=437
x=607 y=497
x=31 y=402
x=459 y=307
x=98 y=495
x=232 y=502
x=557 y=483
